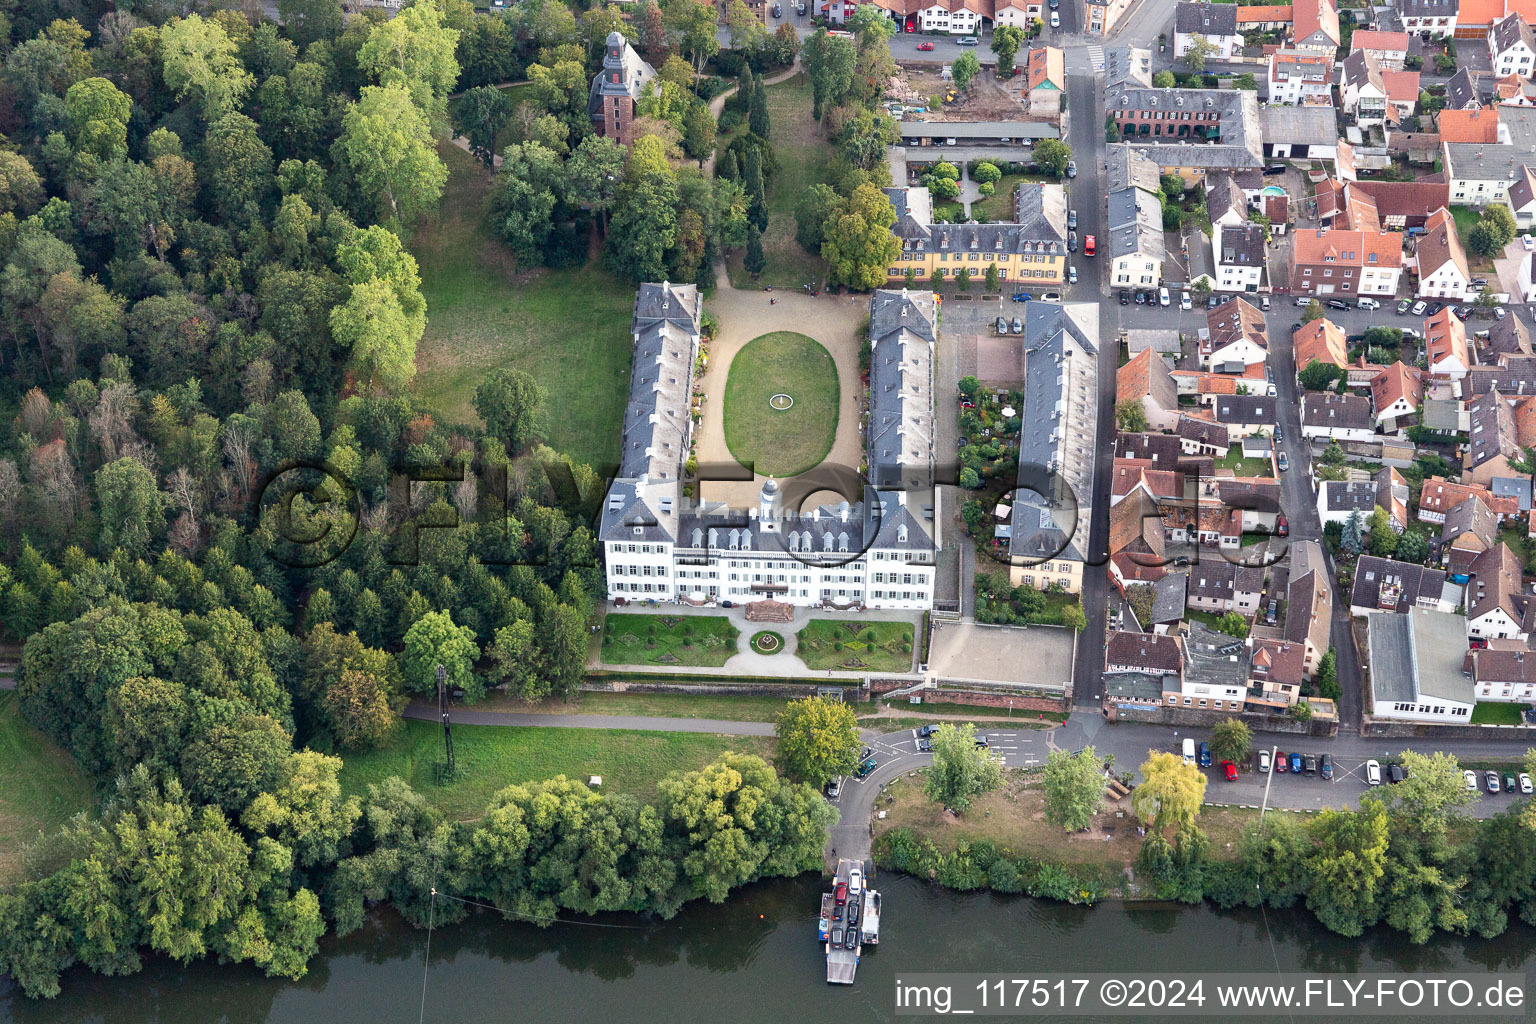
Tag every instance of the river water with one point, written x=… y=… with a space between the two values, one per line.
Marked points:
x=754 y=959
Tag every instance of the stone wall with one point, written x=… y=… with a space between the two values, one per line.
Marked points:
x=995 y=700
x=1414 y=730
x=1207 y=718
x=785 y=690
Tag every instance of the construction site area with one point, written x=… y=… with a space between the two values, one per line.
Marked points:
x=922 y=84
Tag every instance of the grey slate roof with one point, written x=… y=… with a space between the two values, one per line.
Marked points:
x=1215 y=659
x=978 y=130
x=1517 y=377
x=1205 y=19
x=1412 y=582
x=1169 y=598
x=1241 y=245
x=1222 y=196
x=634 y=75
x=900 y=429
x=1510 y=31
x=1241 y=140
x=1313 y=126
x=1487 y=163
x=1135 y=224
x=1517 y=487
x=1045 y=232
x=1325 y=409
x=1212 y=580
x=1058 y=434
x=1520 y=122
x=1428 y=8
x=1349 y=496
x=1129 y=168
x=1391 y=651
x=1245 y=409
x=1492 y=423
x=1461 y=91
x=1127 y=65
x=1509 y=336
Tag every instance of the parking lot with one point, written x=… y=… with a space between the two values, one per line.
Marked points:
x=1017 y=748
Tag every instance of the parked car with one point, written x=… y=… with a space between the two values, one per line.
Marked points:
x=1368 y=304
x=834 y=788
x=1056 y=23
x=837 y=937
x=1017 y=326
x=1274 y=168
x=1071 y=168
x=1264 y=761
x=1205 y=754
x=1395 y=773
x=1071 y=275
x=1264 y=303
x=1409 y=334
x=1471 y=778
x=1402 y=306
x=1282 y=528
x=1295 y=764
x=924 y=745
x=1071 y=241
x=1284 y=462
x=1125 y=297
x=1419 y=308
x=1491 y=780
x=1337 y=304
x=866 y=766
x=1162 y=296
x=855 y=881
x=1282 y=762
x=927 y=730
x=850 y=938
x=1499 y=312
x=1184 y=302
x=1325 y=766
x=1509 y=782
x=1302 y=300
x=1141 y=297
x=925 y=46
x=1310 y=763
x=1072 y=220
x=1229 y=770
x=1373 y=773
x=1088 y=246
x=969 y=41
x=1528 y=242
x=1525 y=784
x=1002 y=325
x=1272 y=613
x=840 y=893
x=1434 y=307
x=1051 y=297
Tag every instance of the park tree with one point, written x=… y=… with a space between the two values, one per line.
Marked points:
x=561 y=637
x=387 y=145
x=593 y=173
x=479 y=116
x=21 y=189
x=986 y=172
x=857 y=241
x=754 y=260
x=1431 y=794
x=98 y=118
x=992 y=280
x=965 y=68
x=238 y=167
x=1199 y=49
x=963 y=278
x=511 y=402
x=132 y=507
x=1171 y=792
x=415 y=49
x=1131 y=416
x=385 y=315
x=830 y=62
x=866 y=136
x=1073 y=787
x=432 y=641
x=757 y=117
x=514 y=658
x=309 y=20
x=200 y=63
x=1164 y=80
x=961 y=770
x=526 y=197
x=1346 y=863
x=818 y=739
x=698 y=131
x=1006 y=40
x=305 y=811
x=1313 y=311
x=1052 y=155
x=1412 y=547
x=1492 y=232
x=1231 y=740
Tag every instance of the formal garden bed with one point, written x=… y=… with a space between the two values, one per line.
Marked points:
x=856 y=646
x=701 y=640
x=767 y=642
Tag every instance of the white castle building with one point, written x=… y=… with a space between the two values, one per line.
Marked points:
x=876 y=553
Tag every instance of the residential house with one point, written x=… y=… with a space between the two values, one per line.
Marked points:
x=1321 y=340
x=1137 y=545
x=1469 y=531
x=1402 y=92
x=1438 y=496
x=1345 y=263
x=1045 y=76
x=1392 y=496
x=1362 y=89
x=1264 y=18
x=1316 y=26
x=1480 y=174
x=1212 y=23
x=1461 y=91
x=616 y=90
x=1103 y=15
x=1049 y=537
x=1379 y=204
x=1210 y=585
x=1495 y=440
x=1020 y=14
x=1445 y=346
x=1513 y=375
x=1504 y=674
x=1216 y=670
x=1190 y=132
x=1416 y=667
x=1277 y=674
x=1225 y=203
x=1432 y=17
x=1396 y=393
x=1240 y=257
x=1161 y=450
x=1136 y=248
x=1521 y=198
x=1507 y=337
x=1201 y=436
x=1419 y=149
x=1145 y=381
x=1152 y=653
x=1389 y=48
x=1031 y=250
x=1472 y=126
x=1297 y=76
x=1339 y=500
x=1244 y=414
x=1443 y=270
x=1127 y=65
x=1497 y=606
x=1309 y=603
x=1306 y=132
x=1385 y=585
x=1329 y=417
x=1236 y=337
x=1512 y=48
x=1514 y=91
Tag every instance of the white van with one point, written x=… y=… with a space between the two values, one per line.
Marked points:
x=1189 y=751
x=1372 y=773
x=1368 y=304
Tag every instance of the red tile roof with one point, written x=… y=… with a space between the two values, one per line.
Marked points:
x=1370 y=39
x=1470 y=126
x=1322 y=340
x=1396 y=381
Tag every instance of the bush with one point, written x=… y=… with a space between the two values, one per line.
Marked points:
x=906 y=648
x=730 y=120
x=837 y=645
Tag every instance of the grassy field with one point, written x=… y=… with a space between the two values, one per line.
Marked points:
x=1486 y=712
x=802 y=156
x=704 y=640
x=882 y=653
x=44 y=787
x=1240 y=466
x=491 y=757
x=725 y=707
x=999 y=205
x=568 y=328
x=781 y=443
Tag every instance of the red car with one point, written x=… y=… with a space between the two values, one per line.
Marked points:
x=1281 y=764
x=1230 y=770
x=1088 y=246
x=1282 y=528
x=841 y=896
x=923 y=46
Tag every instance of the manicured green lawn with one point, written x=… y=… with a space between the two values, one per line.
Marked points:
x=1487 y=712
x=491 y=757
x=802 y=155
x=568 y=328
x=865 y=645
x=705 y=640
x=999 y=205
x=43 y=788
x=781 y=443
x=726 y=707
x=1240 y=466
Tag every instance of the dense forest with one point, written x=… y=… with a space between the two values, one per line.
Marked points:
x=205 y=280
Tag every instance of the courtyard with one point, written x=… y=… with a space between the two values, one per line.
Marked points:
x=781 y=404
